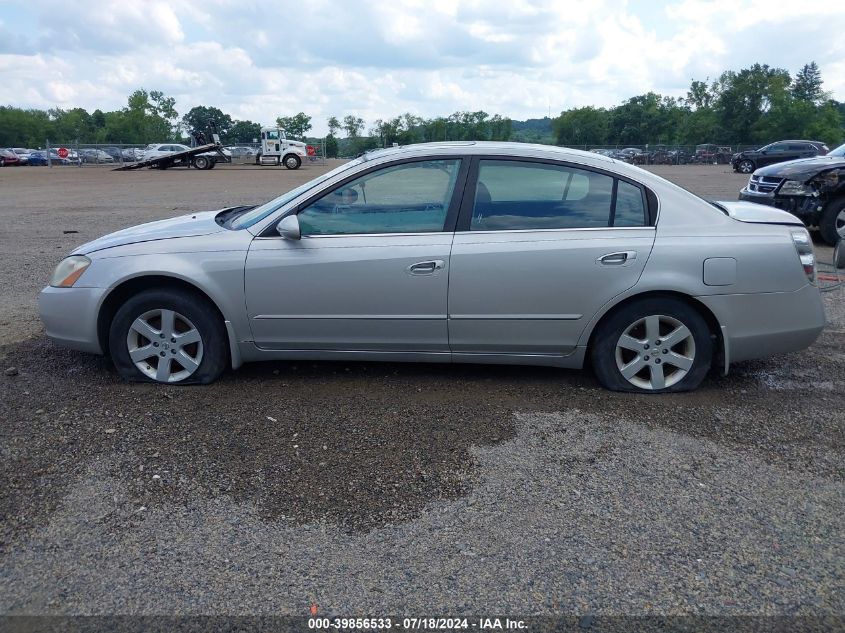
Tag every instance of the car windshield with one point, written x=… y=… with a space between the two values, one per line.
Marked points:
x=261 y=212
x=839 y=151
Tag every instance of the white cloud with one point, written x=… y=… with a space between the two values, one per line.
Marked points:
x=376 y=59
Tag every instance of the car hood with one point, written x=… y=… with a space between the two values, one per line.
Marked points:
x=803 y=168
x=191 y=225
x=757 y=213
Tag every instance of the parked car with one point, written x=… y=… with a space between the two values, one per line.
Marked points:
x=163 y=149
x=132 y=154
x=23 y=154
x=461 y=252
x=38 y=158
x=630 y=154
x=782 y=151
x=709 y=153
x=813 y=189
x=72 y=157
x=665 y=156
x=93 y=155
x=8 y=158
x=241 y=152
x=114 y=152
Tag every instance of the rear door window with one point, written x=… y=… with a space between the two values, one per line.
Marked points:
x=517 y=195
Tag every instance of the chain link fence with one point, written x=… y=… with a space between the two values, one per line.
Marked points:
x=76 y=154
x=664 y=154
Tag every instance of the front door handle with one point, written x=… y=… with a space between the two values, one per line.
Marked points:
x=425 y=268
x=619 y=258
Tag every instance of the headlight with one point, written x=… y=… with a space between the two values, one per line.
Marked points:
x=796 y=188
x=69 y=270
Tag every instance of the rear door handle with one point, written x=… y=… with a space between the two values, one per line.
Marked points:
x=425 y=268
x=617 y=259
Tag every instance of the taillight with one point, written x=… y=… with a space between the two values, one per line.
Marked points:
x=804 y=248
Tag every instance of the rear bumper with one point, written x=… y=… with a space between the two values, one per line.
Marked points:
x=70 y=316
x=766 y=324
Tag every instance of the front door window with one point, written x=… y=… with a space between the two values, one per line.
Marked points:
x=408 y=198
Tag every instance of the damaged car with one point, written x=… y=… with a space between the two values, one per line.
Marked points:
x=812 y=189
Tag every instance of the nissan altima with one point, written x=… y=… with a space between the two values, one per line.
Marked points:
x=451 y=252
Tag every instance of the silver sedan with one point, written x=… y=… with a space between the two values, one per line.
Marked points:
x=453 y=252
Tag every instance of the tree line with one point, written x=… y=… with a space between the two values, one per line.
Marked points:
x=753 y=105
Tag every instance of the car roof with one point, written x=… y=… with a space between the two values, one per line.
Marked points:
x=797 y=140
x=510 y=149
x=487 y=147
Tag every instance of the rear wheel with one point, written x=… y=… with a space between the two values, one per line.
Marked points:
x=168 y=336
x=654 y=346
x=745 y=166
x=202 y=162
x=832 y=222
x=292 y=161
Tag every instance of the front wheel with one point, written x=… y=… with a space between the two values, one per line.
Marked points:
x=832 y=222
x=168 y=336
x=652 y=346
x=292 y=161
x=745 y=167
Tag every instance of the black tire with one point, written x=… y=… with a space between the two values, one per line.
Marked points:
x=292 y=161
x=603 y=350
x=839 y=255
x=832 y=222
x=202 y=162
x=745 y=166
x=196 y=308
x=213 y=164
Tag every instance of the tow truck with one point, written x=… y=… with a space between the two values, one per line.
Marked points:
x=205 y=155
x=276 y=149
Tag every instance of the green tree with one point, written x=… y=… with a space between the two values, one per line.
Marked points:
x=334 y=126
x=72 y=125
x=149 y=117
x=827 y=124
x=582 y=126
x=353 y=126
x=648 y=118
x=331 y=146
x=208 y=119
x=243 y=132
x=500 y=128
x=295 y=126
x=807 y=85
x=745 y=96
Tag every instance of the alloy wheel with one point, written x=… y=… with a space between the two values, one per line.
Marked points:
x=839 y=224
x=164 y=345
x=655 y=352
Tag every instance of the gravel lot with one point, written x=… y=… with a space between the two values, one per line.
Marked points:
x=376 y=489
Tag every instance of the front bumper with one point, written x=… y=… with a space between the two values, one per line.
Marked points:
x=765 y=324
x=807 y=208
x=70 y=316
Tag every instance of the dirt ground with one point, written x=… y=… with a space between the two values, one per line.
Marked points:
x=396 y=489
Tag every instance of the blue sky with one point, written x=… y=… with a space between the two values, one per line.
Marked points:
x=260 y=60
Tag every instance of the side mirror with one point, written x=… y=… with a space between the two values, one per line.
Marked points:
x=288 y=227
x=839 y=254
